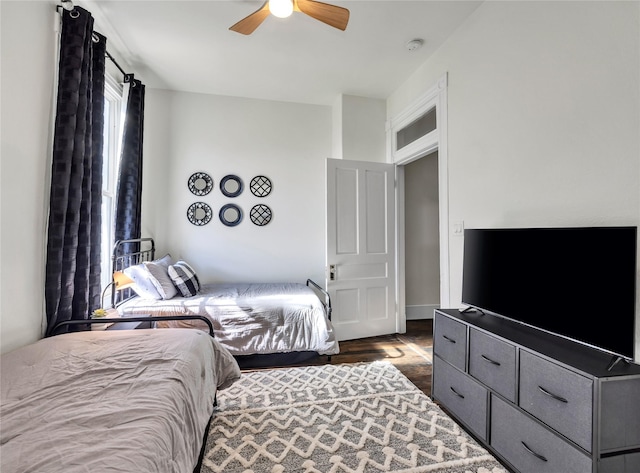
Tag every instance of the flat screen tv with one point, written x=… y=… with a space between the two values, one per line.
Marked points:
x=579 y=283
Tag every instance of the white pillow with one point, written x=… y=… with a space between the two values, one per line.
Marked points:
x=143 y=285
x=160 y=279
x=165 y=261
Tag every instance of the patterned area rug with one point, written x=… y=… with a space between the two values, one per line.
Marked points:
x=363 y=417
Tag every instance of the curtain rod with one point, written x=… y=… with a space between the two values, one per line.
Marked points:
x=70 y=7
x=114 y=62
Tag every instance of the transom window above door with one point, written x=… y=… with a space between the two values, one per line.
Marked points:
x=424 y=125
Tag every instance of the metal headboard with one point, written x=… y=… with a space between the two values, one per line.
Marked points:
x=121 y=320
x=129 y=253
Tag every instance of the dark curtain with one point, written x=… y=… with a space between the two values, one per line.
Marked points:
x=129 y=193
x=72 y=281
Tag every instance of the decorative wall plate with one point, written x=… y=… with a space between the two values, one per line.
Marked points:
x=200 y=183
x=230 y=215
x=199 y=213
x=260 y=215
x=231 y=185
x=260 y=186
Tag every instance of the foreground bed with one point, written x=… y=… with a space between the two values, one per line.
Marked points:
x=125 y=401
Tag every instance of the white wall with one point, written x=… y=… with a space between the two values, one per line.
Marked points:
x=359 y=128
x=286 y=142
x=27 y=44
x=544 y=113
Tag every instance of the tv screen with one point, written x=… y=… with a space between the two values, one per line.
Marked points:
x=579 y=283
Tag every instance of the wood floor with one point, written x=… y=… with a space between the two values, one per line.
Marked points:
x=411 y=352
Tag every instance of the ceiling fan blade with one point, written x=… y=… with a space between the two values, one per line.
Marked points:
x=332 y=15
x=250 y=23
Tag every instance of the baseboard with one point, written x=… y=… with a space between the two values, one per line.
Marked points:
x=419 y=312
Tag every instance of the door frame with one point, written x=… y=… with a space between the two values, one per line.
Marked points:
x=436 y=140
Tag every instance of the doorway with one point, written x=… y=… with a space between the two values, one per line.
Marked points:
x=421 y=237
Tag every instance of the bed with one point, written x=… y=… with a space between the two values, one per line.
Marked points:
x=110 y=401
x=249 y=319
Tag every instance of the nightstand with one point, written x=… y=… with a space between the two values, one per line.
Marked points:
x=96 y=327
x=130 y=325
x=111 y=314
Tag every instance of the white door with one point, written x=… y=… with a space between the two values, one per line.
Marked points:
x=361 y=247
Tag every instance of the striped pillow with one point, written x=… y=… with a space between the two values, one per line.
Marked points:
x=185 y=279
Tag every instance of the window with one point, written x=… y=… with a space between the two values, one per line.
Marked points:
x=111 y=156
x=417 y=129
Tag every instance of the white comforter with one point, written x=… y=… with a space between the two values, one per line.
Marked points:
x=252 y=318
x=110 y=401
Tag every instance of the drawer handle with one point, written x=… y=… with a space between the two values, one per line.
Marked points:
x=448 y=339
x=551 y=395
x=456 y=392
x=537 y=455
x=486 y=358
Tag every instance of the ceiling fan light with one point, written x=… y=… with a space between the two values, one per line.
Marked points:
x=281 y=8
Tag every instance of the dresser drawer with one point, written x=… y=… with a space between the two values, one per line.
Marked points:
x=493 y=362
x=558 y=397
x=531 y=447
x=463 y=397
x=629 y=463
x=450 y=340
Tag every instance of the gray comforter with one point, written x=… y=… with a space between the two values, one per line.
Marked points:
x=110 y=401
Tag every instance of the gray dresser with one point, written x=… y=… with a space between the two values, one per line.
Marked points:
x=541 y=403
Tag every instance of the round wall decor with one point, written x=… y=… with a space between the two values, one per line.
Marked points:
x=260 y=215
x=199 y=213
x=231 y=185
x=260 y=186
x=200 y=183
x=230 y=215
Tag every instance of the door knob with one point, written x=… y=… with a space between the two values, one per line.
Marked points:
x=332 y=272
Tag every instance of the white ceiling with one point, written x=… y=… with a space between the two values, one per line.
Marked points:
x=187 y=46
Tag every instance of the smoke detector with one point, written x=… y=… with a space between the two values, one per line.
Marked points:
x=414 y=44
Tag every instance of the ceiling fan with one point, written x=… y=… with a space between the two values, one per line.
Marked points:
x=332 y=15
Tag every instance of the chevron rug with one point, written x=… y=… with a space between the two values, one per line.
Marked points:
x=348 y=418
